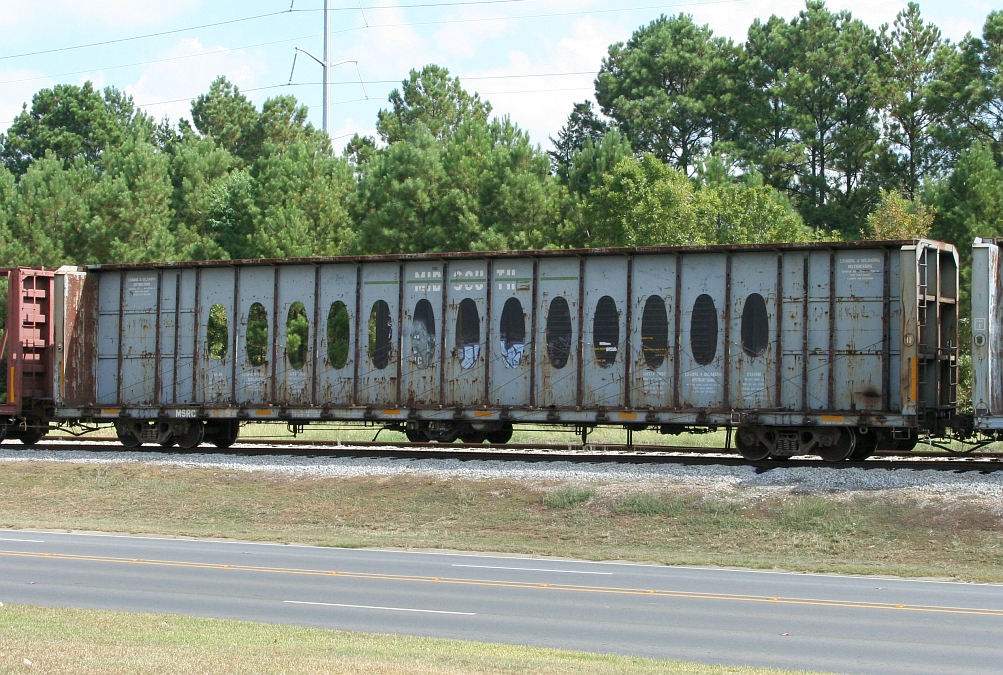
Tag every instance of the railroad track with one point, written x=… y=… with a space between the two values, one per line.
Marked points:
x=985 y=462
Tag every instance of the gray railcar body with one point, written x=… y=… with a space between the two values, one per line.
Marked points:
x=800 y=346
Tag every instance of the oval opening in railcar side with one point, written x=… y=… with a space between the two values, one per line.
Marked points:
x=217 y=332
x=297 y=336
x=468 y=333
x=755 y=326
x=380 y=334
x=558 y=332
x=703 y=330
x=654 y=332
x=513 y=333
x=257 y=335
x=338 y=332
x=423 y=334
x=606 y=332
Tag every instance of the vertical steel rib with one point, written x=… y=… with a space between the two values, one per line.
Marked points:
x=831 y=395
x=628 y=355
x=156 y=339
x=677 y=311
x=358 y=335
x=121 y=335
x=580 y=385
x=234 y=355
x=315 y=361
x=778 y=399
x=534 y=327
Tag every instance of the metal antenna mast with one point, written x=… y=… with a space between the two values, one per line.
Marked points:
x=327 y=65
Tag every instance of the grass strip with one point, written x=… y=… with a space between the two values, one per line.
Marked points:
x=671 y=525
x=77 y=641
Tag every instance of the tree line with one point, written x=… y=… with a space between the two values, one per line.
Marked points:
x=815 y=128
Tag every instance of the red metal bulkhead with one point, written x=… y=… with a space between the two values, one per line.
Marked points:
x=28 y=337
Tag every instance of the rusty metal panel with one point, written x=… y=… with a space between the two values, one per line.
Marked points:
x=108 y=337
x=422 y=332
x=793 y=330
x=605 y=354
x=296 y=285
x=987 y=331
x=378 y=333
x=334 y=384
x=76 y=315
x=139 y=335
x=753 y=334
x=819 y=330
x=169 y=282
x=701 y=335
x=511 y=327
x=467 y=331
x=214 y=383
x=859 y=335
x=257 y=287
x=557 y=319
x=653 y=288
x=184 y=380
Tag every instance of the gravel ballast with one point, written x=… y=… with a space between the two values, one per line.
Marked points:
x=741 y=482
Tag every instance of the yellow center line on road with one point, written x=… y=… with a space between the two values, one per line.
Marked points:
x=693 y=595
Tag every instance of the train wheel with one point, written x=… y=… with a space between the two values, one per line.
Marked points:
x=193 y=437
x=473 y=437
x=30 y=437
x=416 y=436
x=840 y=448
x=748 y=444
x=126 y=437
x=501 y=436
x=865 y=447
x=222 y=434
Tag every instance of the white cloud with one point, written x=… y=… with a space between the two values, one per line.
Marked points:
x=541 y=105
x=167 y=88
x=16 y=88
x=107 y=12
x=387 y=51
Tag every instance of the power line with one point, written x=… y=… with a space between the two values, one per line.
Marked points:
x=141 y=37
x=385 y=25
x=215 y=24
x=540 y=16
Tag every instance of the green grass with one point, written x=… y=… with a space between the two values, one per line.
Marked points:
x=82 y=642
x=568 y=497
x=866 y=534
x=549 y=436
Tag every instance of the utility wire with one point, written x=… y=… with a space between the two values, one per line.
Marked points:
x=386 y=25
x=255 y=17
x=140 y=37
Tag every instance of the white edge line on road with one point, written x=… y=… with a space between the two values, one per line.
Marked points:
x=489 y=556
x=389 y=609
x=32 y=541
x=530 y=569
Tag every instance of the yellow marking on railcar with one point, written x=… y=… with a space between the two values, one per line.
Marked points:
x=832 y=418
x=263 y=413
x=109 y=411
x=11 y=396
x=914 y=377
x=627 y=416
x=391 y=412
x=483 y=414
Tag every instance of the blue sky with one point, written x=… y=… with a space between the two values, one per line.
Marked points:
x=531 y=58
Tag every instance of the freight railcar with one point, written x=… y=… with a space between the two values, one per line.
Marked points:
x=830 y=348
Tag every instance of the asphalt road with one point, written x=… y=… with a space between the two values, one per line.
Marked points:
x=745 y=618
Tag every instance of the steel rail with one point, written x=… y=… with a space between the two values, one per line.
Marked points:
x=590 y=454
